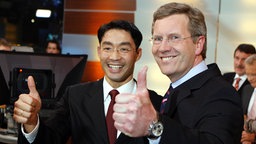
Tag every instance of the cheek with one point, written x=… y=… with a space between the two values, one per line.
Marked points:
x=153 y=50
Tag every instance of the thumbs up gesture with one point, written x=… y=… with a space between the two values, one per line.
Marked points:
x=27 y=107
x=133 y=113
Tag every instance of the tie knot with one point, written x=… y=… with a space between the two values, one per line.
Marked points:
x=113 y=93
x=238 y=79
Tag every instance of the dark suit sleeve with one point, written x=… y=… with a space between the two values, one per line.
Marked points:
x=229 y=77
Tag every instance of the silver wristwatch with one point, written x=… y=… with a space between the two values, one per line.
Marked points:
x=155 y=129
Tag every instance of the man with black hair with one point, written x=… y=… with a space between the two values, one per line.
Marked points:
x=238 y=78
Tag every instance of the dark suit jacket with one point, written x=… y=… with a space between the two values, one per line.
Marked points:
x=206 y=109
x=230 y=78
x=246 y=96
x=80 y=114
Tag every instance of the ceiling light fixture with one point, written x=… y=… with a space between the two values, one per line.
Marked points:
x=43 y=13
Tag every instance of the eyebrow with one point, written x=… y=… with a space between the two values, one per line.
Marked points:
x=120 y=44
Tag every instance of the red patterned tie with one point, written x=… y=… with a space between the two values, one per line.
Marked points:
x=112 y=132
x=165 y=98
x=237 y=83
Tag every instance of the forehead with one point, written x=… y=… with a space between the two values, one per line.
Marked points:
x=241 y=54
x=115 y=33
x=251 y=68
x=177 y=23
x=52 y=44
x=117 y=36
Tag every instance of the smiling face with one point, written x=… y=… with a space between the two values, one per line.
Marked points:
x=176 y=59
x=118 y=55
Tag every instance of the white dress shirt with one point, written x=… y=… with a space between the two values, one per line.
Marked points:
x=251 y=100
x=129 y=87
x=243 y=78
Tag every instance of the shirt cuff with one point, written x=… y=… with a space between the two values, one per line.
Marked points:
x=32 y=135
x=154 y=141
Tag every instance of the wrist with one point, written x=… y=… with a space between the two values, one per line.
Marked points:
x=29 y=127
x=156 y=127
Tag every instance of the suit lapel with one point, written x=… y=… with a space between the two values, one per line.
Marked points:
x=184 y=90
x=95 y=107
x=176 y=96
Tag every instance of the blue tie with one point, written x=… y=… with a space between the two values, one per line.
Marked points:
x=165 y=99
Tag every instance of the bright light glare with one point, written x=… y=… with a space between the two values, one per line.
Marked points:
x=43 y=13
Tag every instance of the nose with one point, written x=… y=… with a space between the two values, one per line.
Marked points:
x=115 y=54
x=165 y=46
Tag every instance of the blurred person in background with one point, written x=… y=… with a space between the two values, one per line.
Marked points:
x=238 y=78
x=4 y=45
x=249 y=101
x=53 y=47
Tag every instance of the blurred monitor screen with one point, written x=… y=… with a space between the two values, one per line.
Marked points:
x=53 y=73
x=44 y=81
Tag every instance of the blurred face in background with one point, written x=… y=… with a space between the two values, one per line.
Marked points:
x=251 y=73
x=5 y=48
x=52 y=48
x=239 y=59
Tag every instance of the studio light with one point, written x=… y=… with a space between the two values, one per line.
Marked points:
x=43 y=13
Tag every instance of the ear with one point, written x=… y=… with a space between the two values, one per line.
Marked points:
x=98 y=51
x=200 y=45
x=139 y=53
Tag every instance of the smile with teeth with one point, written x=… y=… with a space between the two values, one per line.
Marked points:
x=167 y=58
x=115 y=66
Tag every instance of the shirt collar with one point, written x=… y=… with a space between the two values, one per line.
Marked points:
x=129 y=87
x=192 y=72
x=243 y=77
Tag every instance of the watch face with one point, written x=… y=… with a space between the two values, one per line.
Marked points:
x=157 y=129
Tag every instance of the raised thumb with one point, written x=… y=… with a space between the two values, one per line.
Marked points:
x=32 y=87
x=141 y=80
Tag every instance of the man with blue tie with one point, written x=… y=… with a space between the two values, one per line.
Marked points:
x=202 y=108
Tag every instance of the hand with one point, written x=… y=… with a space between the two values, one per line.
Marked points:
x=133 y=113
x=27 y=107
x=247 y=137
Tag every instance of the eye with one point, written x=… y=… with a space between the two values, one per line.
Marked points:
x=157 y=38
x=174 y=37
x=107 y=49
x=124 y=50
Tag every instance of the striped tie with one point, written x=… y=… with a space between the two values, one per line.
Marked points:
x=237 y=83
x=165 y=99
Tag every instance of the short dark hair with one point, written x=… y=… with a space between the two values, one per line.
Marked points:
x=54 y=41
x=246 y=48
x=123 y=25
